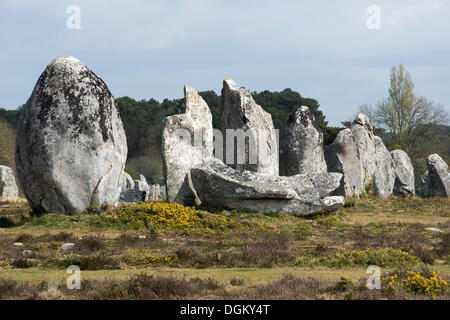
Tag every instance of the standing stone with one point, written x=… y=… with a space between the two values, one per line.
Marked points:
x=404 y=174
x=362 y=158
x=187 y=140
x=163 y=194
x=301 y=149
x=127 y=181
x=8 y=186
x=436 y=181
x=142 y=186
x=384 y=175
x=342 y=156
x=362 y=132
x=240 y=111
x=71 y=146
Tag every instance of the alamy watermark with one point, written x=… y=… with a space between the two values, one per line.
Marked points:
x=249 y=147
x=73 y=22
x=374 y=281
x=374 y=17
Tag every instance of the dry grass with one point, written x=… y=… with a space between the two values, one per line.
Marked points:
x=248 y=260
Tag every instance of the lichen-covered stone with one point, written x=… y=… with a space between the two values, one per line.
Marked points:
x=301 y=148
x=362 y=158
x=71 y=147
x=142 y=186
x=240 y=111
x=219 y=185
x=404 y=174
x=127 y=181
x=436 y=181
x=8 y=186
x=187 y=140
x=384 y=175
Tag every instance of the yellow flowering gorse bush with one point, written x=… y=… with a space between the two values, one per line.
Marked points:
x=161 y=213
x=414 y=282
x=149 y=257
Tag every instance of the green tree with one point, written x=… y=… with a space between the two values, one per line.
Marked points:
x=406 y=118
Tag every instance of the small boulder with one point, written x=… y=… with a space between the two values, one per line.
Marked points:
x=67 y=246
x=27 y=252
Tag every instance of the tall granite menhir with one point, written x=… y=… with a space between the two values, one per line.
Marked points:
x=258 y=150
x=301 y=149
x=71 y=147
x=362 y=158
x=187 y=139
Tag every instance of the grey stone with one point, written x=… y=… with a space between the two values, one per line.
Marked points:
x=301 y=147
x=17 y=244
x=27 y=252
x=127 y=181
x=142 y=186
x=362 y=158
x=163 y=194
x=436 y=181
x=240 y=111
x=219 y=185
x=67 y=246
x=178 y=152
x=8 y=186
x=404 y=174
x=342 y=156
x=384 y=175
x=131 y=196
x=71 y=146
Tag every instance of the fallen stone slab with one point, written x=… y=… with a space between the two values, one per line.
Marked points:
x=219 y=185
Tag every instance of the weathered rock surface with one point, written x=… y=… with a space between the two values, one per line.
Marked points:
x=142 y=186
x=71 y=146
x=127 y=181
x=131 y=195
x=404 y=174
x=304 y=194
x=361 y=156
x=178 y=152
x=436 y=181
x=384 y=175
x=240 y=111
x=301 y=147
x=342 y=156
x=8 y=186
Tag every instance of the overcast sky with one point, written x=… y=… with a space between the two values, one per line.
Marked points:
x=150 y=49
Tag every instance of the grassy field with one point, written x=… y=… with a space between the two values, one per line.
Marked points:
x=167 y=251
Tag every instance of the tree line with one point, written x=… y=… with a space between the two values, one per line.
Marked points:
x=403 y=120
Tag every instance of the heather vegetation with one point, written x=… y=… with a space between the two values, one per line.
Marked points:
x=158 y=250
